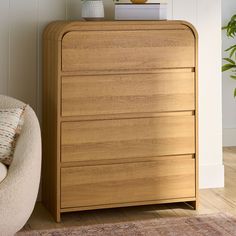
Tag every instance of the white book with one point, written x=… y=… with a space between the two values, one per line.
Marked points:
x=141 y=11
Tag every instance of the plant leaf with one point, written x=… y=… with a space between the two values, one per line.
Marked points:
x=233 y=77
x=231 y=27
x=227 y=67
x=228 y=49
x=229 y=60
x=231 y=32
x=232 y=52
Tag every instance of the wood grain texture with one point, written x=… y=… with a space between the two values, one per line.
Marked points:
x=128 y=138
x=135 y=93
x=57 y=29
x=130 y=204
x=123 y=183
x=116 y=116
x=119 y=114
x=118 y=161
x=126 y=50
x=51 y=129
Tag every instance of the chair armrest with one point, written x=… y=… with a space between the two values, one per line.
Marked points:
x=18 y=192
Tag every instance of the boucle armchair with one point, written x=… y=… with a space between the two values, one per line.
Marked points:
x=18 y=191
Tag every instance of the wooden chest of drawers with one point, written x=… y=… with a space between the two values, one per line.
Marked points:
x=119 y=115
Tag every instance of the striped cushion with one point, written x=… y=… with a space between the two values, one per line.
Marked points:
x=9 y=130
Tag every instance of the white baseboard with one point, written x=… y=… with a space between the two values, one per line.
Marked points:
x=211 y=176
x=229 y=137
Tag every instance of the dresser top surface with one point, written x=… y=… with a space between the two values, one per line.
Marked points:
x=57 y=29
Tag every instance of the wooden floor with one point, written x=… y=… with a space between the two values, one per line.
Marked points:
x=211 y=201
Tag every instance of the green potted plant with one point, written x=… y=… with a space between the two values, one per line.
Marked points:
x=230 y=61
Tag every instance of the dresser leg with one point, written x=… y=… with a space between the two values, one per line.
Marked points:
x=193 y=204
x=58 y=218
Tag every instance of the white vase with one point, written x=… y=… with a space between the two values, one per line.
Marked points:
x=92 y=9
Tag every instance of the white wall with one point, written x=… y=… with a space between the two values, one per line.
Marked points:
x=21 y=25
x=206 y=16
x=229 y=102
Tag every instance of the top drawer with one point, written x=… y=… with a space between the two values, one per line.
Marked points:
x=127 y=50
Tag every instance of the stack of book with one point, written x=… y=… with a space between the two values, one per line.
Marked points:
x=151 y=10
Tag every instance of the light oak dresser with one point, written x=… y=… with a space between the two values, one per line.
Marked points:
x=119 y=114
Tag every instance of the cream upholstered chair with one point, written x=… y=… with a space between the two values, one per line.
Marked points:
x=18 y=191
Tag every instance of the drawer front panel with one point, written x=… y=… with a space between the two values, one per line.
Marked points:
x=130 y=138
x=119 y=94
x=172 y=177
x=120 y=50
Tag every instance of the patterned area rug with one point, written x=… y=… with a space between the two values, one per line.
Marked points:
x=203 y=225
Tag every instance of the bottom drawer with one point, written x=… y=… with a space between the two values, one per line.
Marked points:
x=164 y=178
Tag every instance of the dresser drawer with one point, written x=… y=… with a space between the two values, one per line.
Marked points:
x=127 y=50
x=127 y=138
x=119 y=94
x=167 y=178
